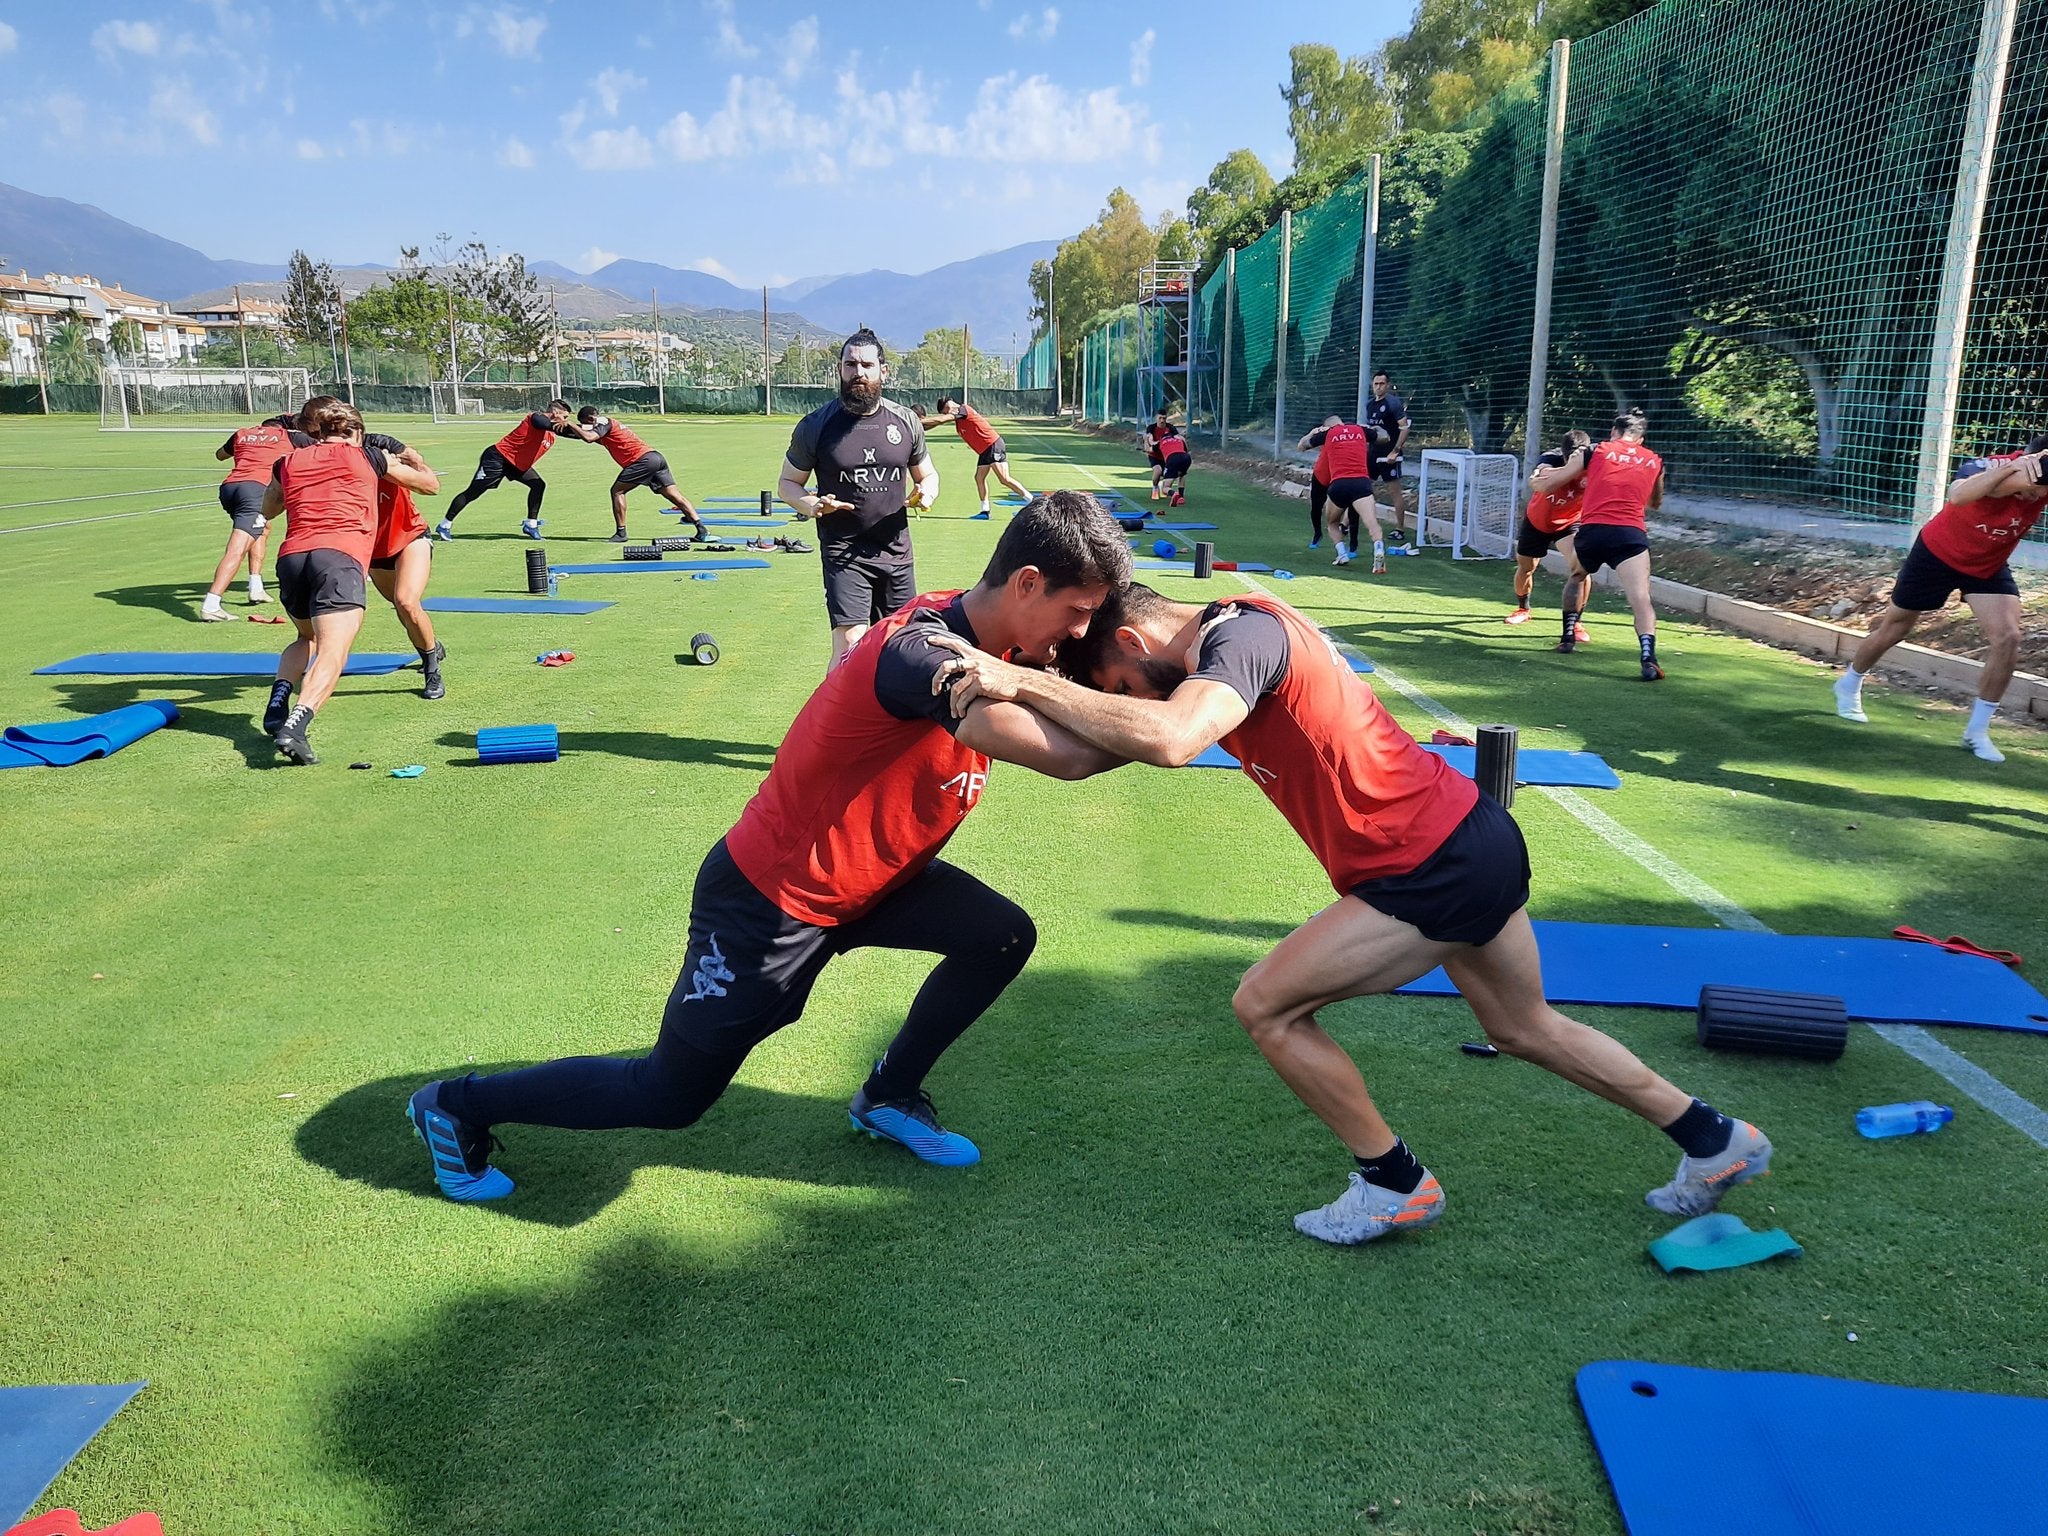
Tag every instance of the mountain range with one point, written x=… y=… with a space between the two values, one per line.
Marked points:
x=987 y=293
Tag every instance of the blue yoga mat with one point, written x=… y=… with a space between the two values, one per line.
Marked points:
x=68 y=742
x=1541 y=765
x=679 y=567
x=212 y=664
x=1811 y=1455
x=41 y=1429
x=547 y=605
x=1187 y=567
x=1180 y=527
x=1888 y=981
x=756 y=521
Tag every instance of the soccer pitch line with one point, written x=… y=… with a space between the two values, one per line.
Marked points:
x=65 y=501
x=1962 y=1074
x=108 y=517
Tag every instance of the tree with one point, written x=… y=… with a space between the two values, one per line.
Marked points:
x=312 y=300
x=1336 y=107
x=125 y=341
x=515 y=318
x=1238 y=181
x=70 y=354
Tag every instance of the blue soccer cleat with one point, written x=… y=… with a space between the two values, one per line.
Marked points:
x=461 y=1153
x=913 y=1124
x=531 y=527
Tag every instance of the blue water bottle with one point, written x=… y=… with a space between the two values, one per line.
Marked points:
x=1883 y=1120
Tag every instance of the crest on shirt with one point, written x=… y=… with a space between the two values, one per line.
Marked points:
x=895 y=433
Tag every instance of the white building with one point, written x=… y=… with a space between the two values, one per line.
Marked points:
x=168 y=339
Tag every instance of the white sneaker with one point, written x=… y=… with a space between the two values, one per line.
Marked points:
x=1981 y=745
x=1343 y=556
x=211 y=612
x=1849 y=700
x=1366 y=1211
x=1702 y=1181
x=257 y=594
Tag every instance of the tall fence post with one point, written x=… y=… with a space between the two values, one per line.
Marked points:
x=1229 y=329
x=1546 y=254
x=1369 y=238
x=1280 y=329
x=1959 y=255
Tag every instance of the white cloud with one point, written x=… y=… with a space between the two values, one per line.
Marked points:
x=517 y=36
x=1032 y=120
x=515 y=154
x=67 y=112
x=605 y=149
x=1141 y=58
x=712 y=265
x=756 y=118
x=892 y=120
x=613 y=86
x=9 y=38
x=730 y=43
x=800 y=48
x=1040 y=27
x=175 y=102
x=309 y=149
x=597 y=256
x=114 y=37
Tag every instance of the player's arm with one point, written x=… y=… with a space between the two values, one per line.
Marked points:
x=1998 y=479
x=273 y=500
x=797 y=495
x=1012 y=733
x=925 y=475
x=1401 y=437
x=227 y=449
x=1657 y=492
x=1546 y=478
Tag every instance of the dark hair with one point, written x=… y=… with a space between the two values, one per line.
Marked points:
x=288 y=419
x=558 y=405
x=1574 y=440
x=1079 y=659
x=1381 y=373
x=326 y=416
x=2038 y=443
x=864 y=338
x=1069 y=537
x=944 y=401
x=588 y=414
x=1634 y=419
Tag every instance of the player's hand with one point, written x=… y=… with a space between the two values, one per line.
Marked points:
x=831 y=504
x=972 y=674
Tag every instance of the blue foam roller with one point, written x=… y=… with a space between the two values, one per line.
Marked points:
x=518 y=744
x=654 y=567
x=41 y=1429
x=212 y=664
x=547 y=605
x=1164 y=549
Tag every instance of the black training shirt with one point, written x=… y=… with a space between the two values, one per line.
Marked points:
x=864 y=460
x=909 y=662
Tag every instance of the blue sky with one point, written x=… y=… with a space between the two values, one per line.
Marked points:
x=761 y=141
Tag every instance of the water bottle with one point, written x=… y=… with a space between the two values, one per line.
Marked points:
x=1883 y=1120
x=551 y=584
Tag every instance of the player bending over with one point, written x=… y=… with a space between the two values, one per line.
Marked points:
x=512 y=457
x=255 y=451
x=401 y=560
x=1428 y=872
x=1966 y=547
x=1557 y=494
x=638 y=465
x=1624 y=481
x=1174 y=462
x=991 y=454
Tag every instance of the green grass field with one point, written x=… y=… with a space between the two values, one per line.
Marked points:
x=223 y=978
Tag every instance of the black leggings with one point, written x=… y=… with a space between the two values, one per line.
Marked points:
x=536 y=488
x=765 y=964
x=1318 y=496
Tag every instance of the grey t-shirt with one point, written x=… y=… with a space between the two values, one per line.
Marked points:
x=865 y=460
x=1244 y=648
x=909 y=662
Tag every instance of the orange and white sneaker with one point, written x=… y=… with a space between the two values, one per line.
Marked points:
x=1579 y=635
x=1702 y=1181
x=1518 y=615
x=1366 y=1211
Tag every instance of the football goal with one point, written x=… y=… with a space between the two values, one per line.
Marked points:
x=167 y=399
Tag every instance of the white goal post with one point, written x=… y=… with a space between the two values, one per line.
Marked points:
x=474 y=398
x=155 y=399
x=1470 y=501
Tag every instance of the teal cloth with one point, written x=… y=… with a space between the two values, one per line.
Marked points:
x=1718 y=1241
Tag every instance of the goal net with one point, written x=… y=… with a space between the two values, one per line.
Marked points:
x=470 y=398
x=167 y=399
x=1470 y=501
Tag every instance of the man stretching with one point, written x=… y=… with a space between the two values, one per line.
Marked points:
x=1966 y=547
x=992 y=456
x=638 y=465
x=1428 y=872
x=512 y=457
x=838 y=850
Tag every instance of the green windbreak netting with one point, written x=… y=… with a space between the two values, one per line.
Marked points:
x=1035 y=368
x=1323 y=310
x=1210 y=323
x=1253 y=338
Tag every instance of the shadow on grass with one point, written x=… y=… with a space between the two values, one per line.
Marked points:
x=180 y=599
x=646 y=746
x=237 y=722
x=1196 y=922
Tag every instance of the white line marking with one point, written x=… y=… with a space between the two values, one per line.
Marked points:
x=111 y=517
x=65 y=501
x=2023 y=1114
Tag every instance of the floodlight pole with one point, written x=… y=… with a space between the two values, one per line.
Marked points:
x=1546 y=254
x=1223 y=383
x=1280 y=329
x=1052 y=329
x=1959 y=256
x=767 y=360
x=660 y=372
x=242 y=330
x=348 y=362
x=1368 y=270
x=555 y=338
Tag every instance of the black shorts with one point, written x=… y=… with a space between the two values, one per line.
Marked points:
x=1177 y=465
x=315 y=581
x=390 y=562
x=1466 y=891
x=1349 y=490
x=1601 y=544
x=491 y=468
x=1532 y=543
x=750 y=966
x=242 y=500
x=994 y=453
x=1386 y=469
x=650 y=470
x=862 y=586
x=1926 y=580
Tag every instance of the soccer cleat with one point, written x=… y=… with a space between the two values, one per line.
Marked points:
x=213 y=613
x=1566 y=647
x=913 y=1124
x=619 y=538
x=445 y=531
x=1379 y=563
x=1849 y=699
x=979 y=517
x=1315 y=544
x=430 y=665
x=529 y=526
x=257 y=594
x=1343 y=556
x=1366 y=1211
x=461 y=1153
x=1179 y=499
x=701 y=536
x=1981 y=745
x=290 y=738
x=1518 y=616
x=1702 y=1181
x=1652 y=673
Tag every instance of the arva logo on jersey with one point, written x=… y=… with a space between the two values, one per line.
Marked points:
x=967 y=785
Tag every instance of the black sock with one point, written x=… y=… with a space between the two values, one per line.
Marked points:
x=1395 y=1169
x=1702 y=1131
x=1649 y=646
x=280 y=691
x=1571 y=623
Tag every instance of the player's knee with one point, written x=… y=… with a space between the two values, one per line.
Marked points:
x=1253 y=1004
x=1521 y=1032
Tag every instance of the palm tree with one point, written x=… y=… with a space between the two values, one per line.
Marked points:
x=71 y=356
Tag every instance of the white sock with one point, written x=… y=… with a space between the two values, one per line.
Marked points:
x=1981 y=711
x=255 y=583
x=1379 y=547
x=984 y=503
x=1851 y=678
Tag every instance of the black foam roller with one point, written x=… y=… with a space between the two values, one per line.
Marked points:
x=1807 y=1024
x=1205 y=557
x=767 y=503
x=1494 y=762
x=640 y=552
x=671 y=546
x=537 y=572
x=704 y=648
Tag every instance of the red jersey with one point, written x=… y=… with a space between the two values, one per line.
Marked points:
x=525 y=443
x=1155 y=431
x=1618 y=481
x=1976 y=537
x=858 y=802
x=1354 y=786
x=623 y=444
x=256 y=451
x=1171 y=444
x=330 y=499
x=398 y=521
x=1345 y=446
x=974 y=430
x=1556 y=511
x=1321 y=473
